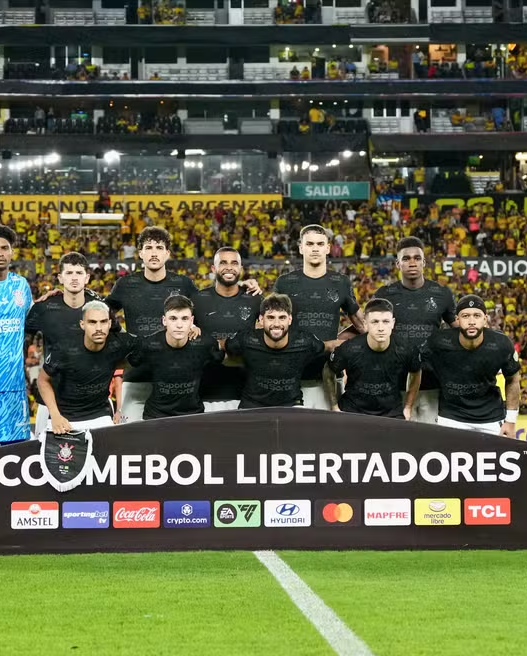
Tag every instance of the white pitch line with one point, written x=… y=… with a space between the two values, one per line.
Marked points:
x=339 y=636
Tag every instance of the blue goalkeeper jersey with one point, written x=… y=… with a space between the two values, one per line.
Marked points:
x=15 y=301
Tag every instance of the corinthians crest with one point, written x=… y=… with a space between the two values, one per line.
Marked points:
x=431 y=305
x=333 y=295
x=65 y=459
x=245 y=312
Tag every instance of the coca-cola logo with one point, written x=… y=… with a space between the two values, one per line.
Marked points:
x=136 y=514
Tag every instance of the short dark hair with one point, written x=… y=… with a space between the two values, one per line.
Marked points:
x=378 y=305
x=8 y=234
x=276 y=302
x=226 y=249
x=314 y=227
x=74 y=258
x=409 y=242
x=178 y=302
x=153 y=234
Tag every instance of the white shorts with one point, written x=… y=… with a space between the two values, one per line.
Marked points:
x=425 y=407
x=493 y=427
x=134 y=399
x=92 y=424
x=41 y=420
x=314 y=395
x=218 y=406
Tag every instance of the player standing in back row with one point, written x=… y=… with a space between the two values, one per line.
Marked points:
x=419 y=307
x=317 y=296
x=141 y=296
x=221 y=311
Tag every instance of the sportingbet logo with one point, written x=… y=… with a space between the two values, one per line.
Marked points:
x=487 y=511
x=237 y=514
x=387 y=512
x=85 y=514
x=288 y=513
x=34 y=515
x=136 y=514
x=186 y=514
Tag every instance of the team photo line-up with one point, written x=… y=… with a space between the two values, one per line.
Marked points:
x=413 y=353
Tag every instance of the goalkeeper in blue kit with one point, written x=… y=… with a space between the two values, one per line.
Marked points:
x=15 y=301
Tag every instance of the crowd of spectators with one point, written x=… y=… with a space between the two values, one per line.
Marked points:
x=389 y=11
x=161 y=12
x=267 y=239
x=291 y=12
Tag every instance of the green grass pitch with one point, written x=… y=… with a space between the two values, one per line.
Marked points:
x=227 y=604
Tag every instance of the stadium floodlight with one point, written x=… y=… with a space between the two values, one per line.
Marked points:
x=188 y=151
x=295 y=168
x=282 y=167
x=305 y=165
x=52 y=158
x=346 y=154
x=362 y=153
x=112 y=157
x=313 y=167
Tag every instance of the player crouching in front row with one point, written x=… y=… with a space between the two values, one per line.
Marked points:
x=375 y=363
x=466 y=361
x=83 y=369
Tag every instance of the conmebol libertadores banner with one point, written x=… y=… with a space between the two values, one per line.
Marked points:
x=283 y=478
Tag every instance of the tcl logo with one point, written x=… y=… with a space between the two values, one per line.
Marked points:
x=136 y=514
x=487 y=511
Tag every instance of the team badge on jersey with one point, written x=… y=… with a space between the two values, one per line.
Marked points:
x=65 y=459
x=431 y=305
x=245 y=312
x=18 y=297
x=333 y=295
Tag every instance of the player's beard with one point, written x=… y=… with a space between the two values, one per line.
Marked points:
x=228 y=283
x=276 y=339
x=467 y=336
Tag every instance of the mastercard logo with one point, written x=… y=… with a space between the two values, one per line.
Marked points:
x=337 y=512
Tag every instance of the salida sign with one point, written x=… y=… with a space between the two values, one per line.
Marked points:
x=375 y=483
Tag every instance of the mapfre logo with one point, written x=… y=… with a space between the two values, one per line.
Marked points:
x=487 y=511
x=136 y=514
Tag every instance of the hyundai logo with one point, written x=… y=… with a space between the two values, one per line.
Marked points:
x=288 y=509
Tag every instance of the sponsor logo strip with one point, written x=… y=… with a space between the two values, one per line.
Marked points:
x=387 y=512
x=186 y=514
x=85 y=514
x=237 y=514
x=287 y=513
x=34 y=515
x=437 y=512
x=338 y=514
x=488 y=511
x=136 y=514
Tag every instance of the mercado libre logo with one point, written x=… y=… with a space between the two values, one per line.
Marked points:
x=237 y=514
x=437 y=512
x=338 y=513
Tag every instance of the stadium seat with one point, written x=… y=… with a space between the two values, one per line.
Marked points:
x=258 y=16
